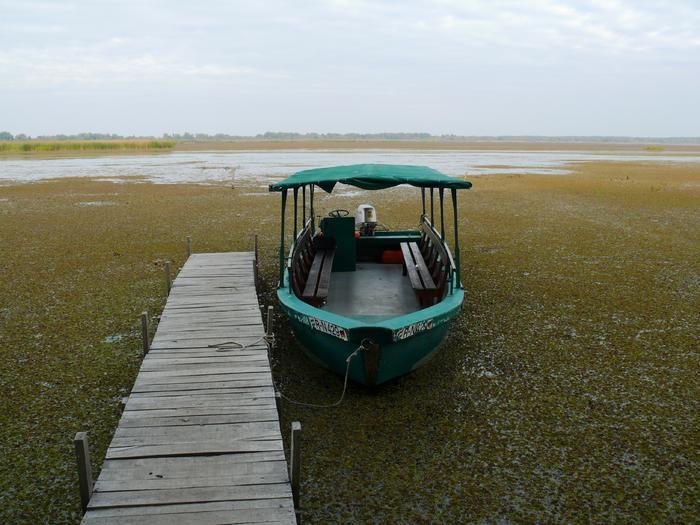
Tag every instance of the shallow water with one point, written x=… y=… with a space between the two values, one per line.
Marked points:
x=265 y=167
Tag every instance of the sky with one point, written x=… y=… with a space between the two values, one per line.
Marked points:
x=500 y=67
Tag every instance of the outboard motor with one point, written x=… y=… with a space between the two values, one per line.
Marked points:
x=366 y=219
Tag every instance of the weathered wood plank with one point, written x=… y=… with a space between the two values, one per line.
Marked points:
x=203 y=392
x=202 y=402
x=188 y=465
x=324 y=279
x=198 y=411
x=422 y=267
x=189 y=509
x=240 y=474
x=243 y=336
x=157 y=483
x=193 y=449
x=204 y=362
x=249 y=343
x=212 y=431
x=202 y=353
x=181 y=434
x=201 y=517
x=410 y=266
x=255 y=379
x=190 y=495
x=197 y=378
x=239 y=416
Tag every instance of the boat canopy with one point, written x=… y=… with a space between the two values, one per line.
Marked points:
x=371 y=177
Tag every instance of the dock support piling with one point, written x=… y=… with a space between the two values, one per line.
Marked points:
x=278 y=402
x=255 y=259
x=189 y=245
x=82 y=456
x=295 y=461
x=268 y=326
x=168 y=276
x=144 y=332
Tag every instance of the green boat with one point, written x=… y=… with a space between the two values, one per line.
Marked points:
x=368 y=303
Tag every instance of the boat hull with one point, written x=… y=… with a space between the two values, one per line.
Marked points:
x=390 y=347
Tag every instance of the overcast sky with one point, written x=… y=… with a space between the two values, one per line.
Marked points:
x=542 y=67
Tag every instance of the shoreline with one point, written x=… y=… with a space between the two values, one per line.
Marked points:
x=369 y=145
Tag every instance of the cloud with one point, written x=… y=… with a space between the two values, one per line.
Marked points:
x=434 y=64
x=82 y=67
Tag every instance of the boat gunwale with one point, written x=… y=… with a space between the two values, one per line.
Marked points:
x=447 y=307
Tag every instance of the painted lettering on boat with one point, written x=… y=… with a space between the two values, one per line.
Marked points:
x=322 y=326
x=328 y=328
x=412 y=329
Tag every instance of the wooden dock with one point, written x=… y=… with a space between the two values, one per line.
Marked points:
x=199 y=440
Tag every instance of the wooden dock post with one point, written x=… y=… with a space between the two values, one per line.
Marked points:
x=278 y=402
x=144 y=331
x=82 y=457
x=168 y=276
x=255 y=259
x=189 y=245
x=295 y=461
x=268 y=326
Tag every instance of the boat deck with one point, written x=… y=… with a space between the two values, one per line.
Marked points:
x=372 y=292
x=199 y=440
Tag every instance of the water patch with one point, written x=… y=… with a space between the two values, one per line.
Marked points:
x=266 y=167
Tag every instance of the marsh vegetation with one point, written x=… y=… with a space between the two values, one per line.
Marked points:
x=38 y=146
x=566 y=392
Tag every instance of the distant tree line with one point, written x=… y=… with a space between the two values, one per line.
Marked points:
x=284 y=135
x=6 y=135
x=287 y=135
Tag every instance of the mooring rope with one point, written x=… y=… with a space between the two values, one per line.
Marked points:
x=269 y=340
x=235 y=345
x=345 y=384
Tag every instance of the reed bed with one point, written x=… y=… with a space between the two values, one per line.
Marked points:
x=85 y=145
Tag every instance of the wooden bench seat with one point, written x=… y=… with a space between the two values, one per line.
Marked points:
x=418 y=271
x=319 y=278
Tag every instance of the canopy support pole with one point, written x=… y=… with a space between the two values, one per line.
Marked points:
x=422 y=194
x=454 y=208
x=284 y=205
x=312 y=212
x=296 y=192
x=303 y=206
x=432 y=209
x=441 y=192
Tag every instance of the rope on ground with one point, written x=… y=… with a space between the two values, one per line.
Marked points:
x=345 y=384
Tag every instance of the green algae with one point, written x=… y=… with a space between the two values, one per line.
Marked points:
x=566 y=391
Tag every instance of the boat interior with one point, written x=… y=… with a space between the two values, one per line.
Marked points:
x=347 y=267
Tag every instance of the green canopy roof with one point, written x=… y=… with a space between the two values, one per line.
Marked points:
x=371 y=177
